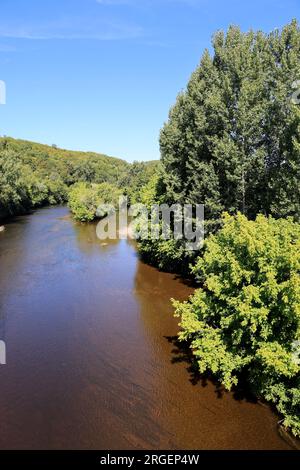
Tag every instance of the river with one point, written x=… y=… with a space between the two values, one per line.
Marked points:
x=92 y=357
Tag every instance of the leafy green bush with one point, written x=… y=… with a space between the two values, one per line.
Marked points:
x=42 y=191
x=137 y=177
x=84 y=200
x=168 y=255
x=245 y=318
x=13 y=194
x=22 y=189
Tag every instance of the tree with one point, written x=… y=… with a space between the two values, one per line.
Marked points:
x=85 y=199
x=232 y=138
x=13 y=196
x=245 y=319
x=137 y=177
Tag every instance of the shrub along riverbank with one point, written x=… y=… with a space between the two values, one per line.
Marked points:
x=232 y=143
x=244 y=319
x=85 y=200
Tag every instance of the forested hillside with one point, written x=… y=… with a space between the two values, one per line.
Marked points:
x=33 y=175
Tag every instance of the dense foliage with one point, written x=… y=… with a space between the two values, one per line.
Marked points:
x=32 y=175
x=22 y=189
x=232 y=141
x=85 y=200
x=137 y=177
x=70 y=166
x=245 y=319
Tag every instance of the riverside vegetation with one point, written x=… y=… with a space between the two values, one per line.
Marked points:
x=33 y=175
x=232 y=142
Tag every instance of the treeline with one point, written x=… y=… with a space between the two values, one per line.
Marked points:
x=33 y=175
x=232 y=138
x=87 y=200
x=232 y=143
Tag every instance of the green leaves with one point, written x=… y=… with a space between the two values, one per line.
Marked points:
x=232 y=138
x=84 y=199
x=12 y=192
x=276 y=360
x=32 y=175
x=246 y=315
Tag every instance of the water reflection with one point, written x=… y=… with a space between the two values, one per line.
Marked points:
x=90 y=360
x=88 y=240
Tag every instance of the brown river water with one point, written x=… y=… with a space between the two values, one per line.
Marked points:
x=92 y=358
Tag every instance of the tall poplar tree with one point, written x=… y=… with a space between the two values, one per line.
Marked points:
x=232 y=138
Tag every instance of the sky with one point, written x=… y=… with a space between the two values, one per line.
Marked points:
x=101 y=75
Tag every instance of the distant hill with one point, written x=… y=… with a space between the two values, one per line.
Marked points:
x=70 y=165
x=33 y=174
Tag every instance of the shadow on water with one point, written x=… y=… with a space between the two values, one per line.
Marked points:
x=182 y=353
x=93 y=357
x=187 y=281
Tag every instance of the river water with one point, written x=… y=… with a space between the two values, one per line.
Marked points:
x=92 y=357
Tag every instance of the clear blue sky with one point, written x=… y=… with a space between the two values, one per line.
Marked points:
x=101 y=74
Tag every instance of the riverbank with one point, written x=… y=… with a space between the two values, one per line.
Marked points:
x=93 y=361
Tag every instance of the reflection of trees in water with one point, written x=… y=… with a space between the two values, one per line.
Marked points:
x=12 y=255
x=88 y=241
x=153 y=290
x=149 y=281
x=159 y=285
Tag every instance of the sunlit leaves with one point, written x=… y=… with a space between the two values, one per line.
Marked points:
x=246 y=314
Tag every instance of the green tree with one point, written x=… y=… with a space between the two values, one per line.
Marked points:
x=13 y=195
x=85 y=199
x=136 y=177
x=232 y=138
x=245 y=319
